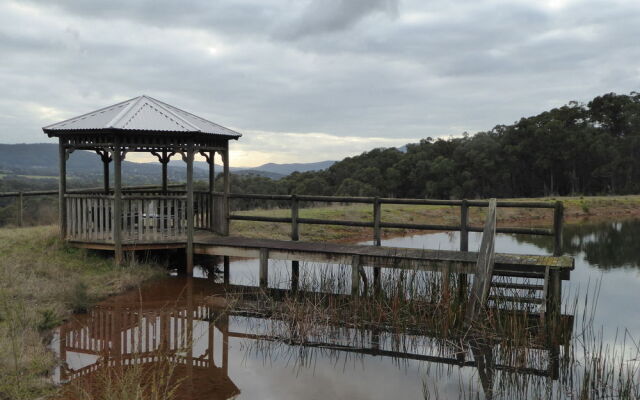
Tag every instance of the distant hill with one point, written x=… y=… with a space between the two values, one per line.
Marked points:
x=272 y=170
x=41 y=160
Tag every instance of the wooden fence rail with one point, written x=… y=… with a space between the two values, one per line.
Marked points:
x=205 y=218
x=377 y=224
x=97 y=191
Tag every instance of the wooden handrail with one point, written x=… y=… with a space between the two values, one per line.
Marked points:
x=87 y=190
x=464 y=228
x=377 y=224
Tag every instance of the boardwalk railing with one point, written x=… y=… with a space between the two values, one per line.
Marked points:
x=377 y=224
x=152 y=214
x=19 y=196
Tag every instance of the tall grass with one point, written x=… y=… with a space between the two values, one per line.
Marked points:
x=412 y=316
x=42 y=281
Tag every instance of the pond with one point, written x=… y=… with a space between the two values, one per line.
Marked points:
x=243 y=354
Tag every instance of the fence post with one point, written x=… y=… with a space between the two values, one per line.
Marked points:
x=554 y=293
x=264 y=267
x=295 y=235
x=376 y=222
x=558 y=216
x=20 y=209
x=376 y=242
x=464 y=246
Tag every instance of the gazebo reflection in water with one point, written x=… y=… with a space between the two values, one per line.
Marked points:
x=164 y=325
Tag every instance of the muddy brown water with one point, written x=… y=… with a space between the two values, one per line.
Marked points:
x=222 y=356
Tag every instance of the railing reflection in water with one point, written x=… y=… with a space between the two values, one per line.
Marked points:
x=177 y=320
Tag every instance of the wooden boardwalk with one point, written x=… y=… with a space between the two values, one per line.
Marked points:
x=380 y=256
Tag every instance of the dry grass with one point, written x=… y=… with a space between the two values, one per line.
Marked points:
x=42 y=282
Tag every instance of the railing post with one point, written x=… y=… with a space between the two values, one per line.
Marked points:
x=463 y=281
x=116 y=218
x=558 y=216
x=295 y=235
x=377 y=272
x=554 y=292
x=355 y=275
x=227 y=190
x=212 y=180
x=62 y=188
x=190 y=211
x=20 y=209
x=264 y=267
x=376 y=222
x=484 y=267
x=294 y=217
x=225 y=271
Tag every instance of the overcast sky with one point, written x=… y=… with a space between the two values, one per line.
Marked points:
x=314 y=80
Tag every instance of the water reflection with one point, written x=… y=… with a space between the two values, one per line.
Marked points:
x=227 y=341
x=605 y=245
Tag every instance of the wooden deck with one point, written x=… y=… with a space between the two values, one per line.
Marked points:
x=379 y=256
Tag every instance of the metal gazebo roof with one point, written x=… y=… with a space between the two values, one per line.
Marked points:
x=142 y=113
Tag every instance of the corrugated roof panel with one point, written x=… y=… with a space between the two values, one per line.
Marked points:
x=142 y=113
x=93 y=120
x=147 y=116
x=203 y=123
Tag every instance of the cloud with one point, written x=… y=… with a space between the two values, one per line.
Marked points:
x=376 y=70
x=326 y=16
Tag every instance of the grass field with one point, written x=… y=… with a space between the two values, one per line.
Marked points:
x=42 y=282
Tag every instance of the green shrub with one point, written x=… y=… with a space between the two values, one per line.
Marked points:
x=79 y=299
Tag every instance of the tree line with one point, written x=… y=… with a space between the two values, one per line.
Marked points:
x=589 y=149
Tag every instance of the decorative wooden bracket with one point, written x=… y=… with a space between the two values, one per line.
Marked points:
x=164 y=157
x=208 y=159
x=105 y=155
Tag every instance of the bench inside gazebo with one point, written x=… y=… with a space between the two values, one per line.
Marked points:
x=119 y=219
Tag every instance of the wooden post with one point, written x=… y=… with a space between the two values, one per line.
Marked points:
x=554 y=293
x=105 y=173
x=226 y=269
x=164 y=161
x=484 y=267
x=20 y=210
x=463 y=281
x=190 y=224
x=62 y=188
x=295 y=265
x=117 y=202
x=225 y=344
x=264 y=267
x=377 y=272
x=212 y=181
x=464 y=225
x=227 y=189
x=377 y=241
x=558 y=216
x=355 y=275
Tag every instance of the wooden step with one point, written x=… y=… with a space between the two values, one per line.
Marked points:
x=516 y=299
x=509 y=285
x=519 y=274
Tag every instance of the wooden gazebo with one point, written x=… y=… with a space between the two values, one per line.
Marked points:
x=121 y=220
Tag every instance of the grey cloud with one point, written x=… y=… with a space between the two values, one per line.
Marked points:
x=415 y=69
x=324 y=16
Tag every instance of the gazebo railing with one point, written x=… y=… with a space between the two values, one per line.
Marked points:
x=146 y=216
